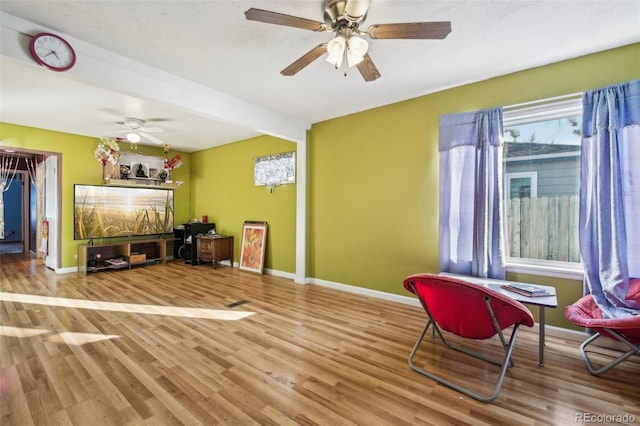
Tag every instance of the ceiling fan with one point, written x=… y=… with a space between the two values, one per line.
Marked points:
x=344 y=17
x=136 y=130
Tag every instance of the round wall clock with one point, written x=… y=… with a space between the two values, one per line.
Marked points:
x=52 y=51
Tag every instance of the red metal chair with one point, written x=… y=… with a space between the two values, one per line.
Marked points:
x=470 y=311
x=585 y=313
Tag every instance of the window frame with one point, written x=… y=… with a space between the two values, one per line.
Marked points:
x=545 y=109
x=533 y=178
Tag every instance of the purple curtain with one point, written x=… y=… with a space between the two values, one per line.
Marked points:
x=470 y=146
x=610 y=196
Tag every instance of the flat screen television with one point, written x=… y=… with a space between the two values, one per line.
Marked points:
x=118 y=211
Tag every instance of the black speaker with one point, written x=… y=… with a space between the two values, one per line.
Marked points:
x=179 y=254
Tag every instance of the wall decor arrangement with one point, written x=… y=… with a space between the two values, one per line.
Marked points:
x=134 y=166
x=253 y=246
x=274 y=170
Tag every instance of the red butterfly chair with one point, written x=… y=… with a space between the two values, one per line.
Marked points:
x=470 y=311
x=585 y=313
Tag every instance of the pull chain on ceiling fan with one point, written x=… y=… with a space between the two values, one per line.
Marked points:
x=344 y=18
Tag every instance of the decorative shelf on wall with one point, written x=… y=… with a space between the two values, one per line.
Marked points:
x=141 y=182
x=141 y=170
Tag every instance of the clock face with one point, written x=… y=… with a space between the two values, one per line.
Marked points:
x=52 y=52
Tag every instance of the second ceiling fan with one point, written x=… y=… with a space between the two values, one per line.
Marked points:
x=344 y=17
x=136 y=131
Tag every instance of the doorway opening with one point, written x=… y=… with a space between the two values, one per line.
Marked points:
x=30 y=204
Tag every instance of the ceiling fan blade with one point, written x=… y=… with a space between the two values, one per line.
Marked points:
x=151 y=129
x=282 y=19
x=156 y=120
x=152 y=138
x=305 y=60
x=368 y=69
x=410 y=30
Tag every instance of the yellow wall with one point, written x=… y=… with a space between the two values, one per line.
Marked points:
x=373 y=179
x=80 y=166
x=374 y=175
x=223 y=188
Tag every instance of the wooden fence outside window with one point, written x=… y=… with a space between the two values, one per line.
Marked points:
x=543 y=228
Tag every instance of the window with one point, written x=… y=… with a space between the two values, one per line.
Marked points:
x=541 y=169
x=522 y=185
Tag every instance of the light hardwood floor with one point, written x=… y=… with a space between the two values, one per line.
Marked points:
x=159 y=345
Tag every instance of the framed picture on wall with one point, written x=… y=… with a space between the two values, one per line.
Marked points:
x=253 y=247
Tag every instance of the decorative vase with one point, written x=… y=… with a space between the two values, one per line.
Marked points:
x=108 y=171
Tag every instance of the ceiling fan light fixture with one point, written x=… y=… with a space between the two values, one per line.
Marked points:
x=336 y=61
x=133 y=137
x=356 y=50
x=335 y=50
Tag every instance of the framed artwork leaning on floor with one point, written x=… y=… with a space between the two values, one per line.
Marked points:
x=253 y=246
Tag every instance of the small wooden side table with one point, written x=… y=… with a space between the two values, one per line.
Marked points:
x=215 y=249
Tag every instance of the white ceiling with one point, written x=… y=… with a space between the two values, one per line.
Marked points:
x=211 y=77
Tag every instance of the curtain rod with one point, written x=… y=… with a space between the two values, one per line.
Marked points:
x=544 y=101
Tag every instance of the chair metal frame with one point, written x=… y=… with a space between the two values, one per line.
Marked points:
x=634 y=350
x=505 y=363
x=586 y=313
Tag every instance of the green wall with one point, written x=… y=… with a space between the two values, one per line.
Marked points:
x=222 y=188
x=372 y=179
x=80 y=166
x=374 y=175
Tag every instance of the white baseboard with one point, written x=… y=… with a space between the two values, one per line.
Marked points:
x=565 y=333
x=550 y=330
x=281 y=274
x=367 y=292
x=66 y=270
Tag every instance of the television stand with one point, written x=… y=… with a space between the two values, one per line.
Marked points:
x=121 y=254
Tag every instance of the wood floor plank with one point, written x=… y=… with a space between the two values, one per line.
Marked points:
x=14 y=402
x=161 y=345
